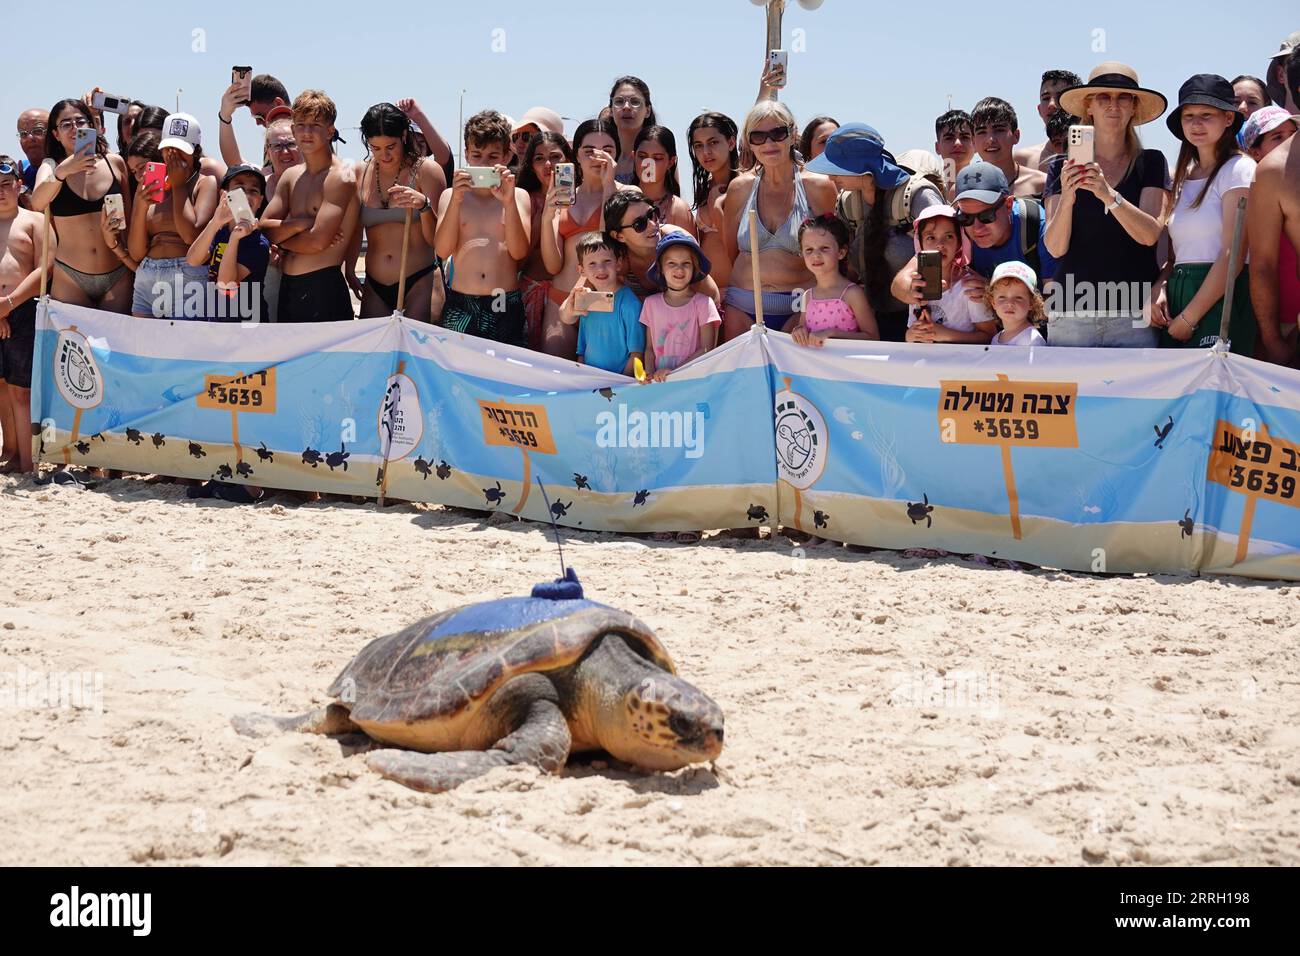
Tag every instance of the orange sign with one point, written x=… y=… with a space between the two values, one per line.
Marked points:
x=253 y=392
x=1266 y=467
x=525 y=427
x=1038 y=414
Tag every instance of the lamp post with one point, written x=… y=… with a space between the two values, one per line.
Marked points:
x=775 y=10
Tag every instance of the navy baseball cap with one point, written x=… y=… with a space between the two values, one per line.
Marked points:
x=679 y=238
x=855 y=149
x=239 y=170
x=982 y=182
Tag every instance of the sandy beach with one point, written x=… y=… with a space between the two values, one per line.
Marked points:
x=880 y=708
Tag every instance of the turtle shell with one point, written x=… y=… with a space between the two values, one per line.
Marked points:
x=421 y=686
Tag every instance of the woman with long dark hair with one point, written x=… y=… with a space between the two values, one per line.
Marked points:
x=631 y=110
x=395 y=179
x=545 y=150
x=89 y=269
x=715 y=162
x=1210 y=176
x=655 y=151
x=815 y=134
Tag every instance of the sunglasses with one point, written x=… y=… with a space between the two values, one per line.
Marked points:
x=524 y=135
x=760 y=136
x=640 y=222
x=986 y=217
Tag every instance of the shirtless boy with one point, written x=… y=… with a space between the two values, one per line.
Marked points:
x=20 y=278
x=1054 y=82
x=996 y=134
x=314 y=208
x=487 y=231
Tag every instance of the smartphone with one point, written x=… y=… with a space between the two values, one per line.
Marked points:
x=110 y=103
x=566 y=183
x=779 y=58
x=929 y=263
x=86 y=137
x=1079 y=146
x=484 y=177
x=244 y=76
x=239 y=206
x=116 y=211
x=155 y=178
x=589 y=300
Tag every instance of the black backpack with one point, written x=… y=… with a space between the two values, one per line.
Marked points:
x=1031 y=216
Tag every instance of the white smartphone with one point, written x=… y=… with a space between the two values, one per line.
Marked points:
x=779 y=58
x=1079 y=145
x=116 y=211
x=239 y=206
x=589 y=300
x=484 y=177
x=110 y=103
x=566 y=183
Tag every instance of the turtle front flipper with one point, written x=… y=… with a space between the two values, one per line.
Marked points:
x=330 y=720
x=542 y=740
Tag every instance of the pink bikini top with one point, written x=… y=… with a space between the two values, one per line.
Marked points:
x=822 y=315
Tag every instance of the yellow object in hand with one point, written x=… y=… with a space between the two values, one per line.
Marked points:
x=638 y=369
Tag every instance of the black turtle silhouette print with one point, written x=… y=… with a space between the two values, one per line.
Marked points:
x=100 y=436
x=83 y=447
x=920 y=510
x=443 y=471
x=197 y=450
x=422 y=467
x=495 y=495
x=607 y=392
x=311 y=456
x=756 y=513
x=559 y=509
x=133 y=436
x=224 y=473
x=244 y=469
x=580 y=482
x=821 y=519
x=158 y=440
x=339 y=457
x=1187 y=524
x=1162 y=432
x=640 y=497
x=264 y=453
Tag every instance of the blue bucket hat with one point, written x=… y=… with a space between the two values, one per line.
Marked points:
x=855 y=149
x=703 y=266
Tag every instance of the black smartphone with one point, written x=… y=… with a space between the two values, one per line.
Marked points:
x=930 y=264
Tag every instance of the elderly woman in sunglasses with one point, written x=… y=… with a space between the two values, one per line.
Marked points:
x=633 y=223
x=784 y=195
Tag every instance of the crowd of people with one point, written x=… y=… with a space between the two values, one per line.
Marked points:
x=618 y=267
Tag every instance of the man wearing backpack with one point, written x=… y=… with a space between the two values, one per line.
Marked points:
x=1001 y=228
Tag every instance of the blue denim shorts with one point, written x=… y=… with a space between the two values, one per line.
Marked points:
x=157 y=292
x=1101 y=331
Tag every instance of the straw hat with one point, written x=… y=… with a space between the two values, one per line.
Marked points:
x=1120 y=78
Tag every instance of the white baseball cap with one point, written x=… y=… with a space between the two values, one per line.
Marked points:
x=1015 y=270
x=181 y=131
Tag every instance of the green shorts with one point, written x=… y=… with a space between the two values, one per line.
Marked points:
x=1184 y=283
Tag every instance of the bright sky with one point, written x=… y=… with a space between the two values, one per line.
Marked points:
x=864 y=60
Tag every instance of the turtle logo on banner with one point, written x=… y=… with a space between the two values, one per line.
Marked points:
x=75 y=372
x=801 y=439
x=400 y=423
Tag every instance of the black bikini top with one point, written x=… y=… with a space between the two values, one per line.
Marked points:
x=68 y=203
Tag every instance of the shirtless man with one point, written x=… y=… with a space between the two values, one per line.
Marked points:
x=32 y=125
x=267 y=94
x=1054 y=82
x=20 y=280
x=1272 y=213
x=487 y=230
x=314 y=208
x=997 y=132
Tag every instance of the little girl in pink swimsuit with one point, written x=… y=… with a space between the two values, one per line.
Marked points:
x=835 y=308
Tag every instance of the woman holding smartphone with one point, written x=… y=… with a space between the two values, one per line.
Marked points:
x=544 y=152
x=1105 y=212
x=89 y=268
x=715 y=163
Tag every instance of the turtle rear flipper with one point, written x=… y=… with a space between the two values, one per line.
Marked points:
x=330 y=720
x=542 y=740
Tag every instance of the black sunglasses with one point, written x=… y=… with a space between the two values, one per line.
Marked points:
x=640 y=222
x=986 y=217
x=760 y=136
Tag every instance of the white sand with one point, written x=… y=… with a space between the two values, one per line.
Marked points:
x=1152 y=720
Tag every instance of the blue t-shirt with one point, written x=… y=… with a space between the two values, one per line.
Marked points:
x=29 y=174
x=607 y=339
x=984 y=261
x=254 y=254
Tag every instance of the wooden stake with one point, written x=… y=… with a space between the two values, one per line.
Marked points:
x=1234 y=265
x=401 y=279
x=753 y=261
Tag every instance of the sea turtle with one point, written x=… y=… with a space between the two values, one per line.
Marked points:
x=224 y=473
x=133 y=436
x=311 y=456
x=919 y=511
x=339 y=457
x=756 y=513
x=422 y=468
x=264 y=453
x=1186 y=524
x=580 y=482
x=495 y=495
x=821 y=519
x=197 y=450
x=514 y=681
x=641 y=497
x=158 y=440
x=83 y=448
x=244 y=469
x=443 y=471
x=559 y=509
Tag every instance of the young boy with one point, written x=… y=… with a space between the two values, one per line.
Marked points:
x=1050 y=87
x=487 y=231
x=997 y=131
x=314 y=211
x=236 y=253
x=681 y=325
x=609 y=340
x=20 y=279
x=953 y=141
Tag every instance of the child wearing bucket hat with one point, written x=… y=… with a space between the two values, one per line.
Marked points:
x=954 y=316
x=1013 y=296
x=1210 y=176
x=680 y=325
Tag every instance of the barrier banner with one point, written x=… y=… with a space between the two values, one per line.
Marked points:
x=1085 y=459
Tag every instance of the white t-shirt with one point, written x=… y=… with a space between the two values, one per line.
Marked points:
x=1197 y=234
x=956 y=310
x=1027 y=336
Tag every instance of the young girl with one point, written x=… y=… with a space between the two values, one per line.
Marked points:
x=655 y=153
x=835 y=308
x=954 y=317
x=681 y=325
x=1013 y=295
x=715 y=163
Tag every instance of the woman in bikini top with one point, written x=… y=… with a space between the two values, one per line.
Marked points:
x=544 y=151
x=715 y=162
x=88 y=269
